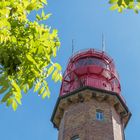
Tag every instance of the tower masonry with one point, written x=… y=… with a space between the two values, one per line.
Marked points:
x=90 y=105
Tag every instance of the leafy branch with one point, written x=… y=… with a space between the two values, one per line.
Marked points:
x=120 y=5
x=26 y=50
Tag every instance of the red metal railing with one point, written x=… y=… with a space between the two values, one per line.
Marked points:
x=94 y=75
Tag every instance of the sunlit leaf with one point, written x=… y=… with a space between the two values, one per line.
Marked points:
x=55 y=73
x=37 y=86
x=50 y=70
x=35 y=72
x=120 y=9
x=112 y=1
x=25 y=88
x=29 y=57
x=9 y=101
x=47 y=16
x=16 y=86
x=41 y=90
x=18 y=99
x=114 y=7
x=57 y=78
x=58 y=66
x=42 y=14
x=54 y=51
x=119 y=2
x=127 y=1
x=58 y=43
x=31 y=6
x=121 y=5
x=14 y=105
x=46 y=94
x=38 y=17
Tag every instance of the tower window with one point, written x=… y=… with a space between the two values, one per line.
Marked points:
x=76 y=137
x=99 y=115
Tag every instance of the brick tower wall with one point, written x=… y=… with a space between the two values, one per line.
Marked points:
x=80 y=119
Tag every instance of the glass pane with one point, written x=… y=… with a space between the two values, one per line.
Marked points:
x=91 y=61
x=75 y=138
x=99 y=115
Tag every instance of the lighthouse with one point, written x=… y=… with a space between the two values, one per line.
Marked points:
x=90 y=105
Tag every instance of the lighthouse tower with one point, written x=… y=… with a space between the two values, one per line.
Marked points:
x=90 y=105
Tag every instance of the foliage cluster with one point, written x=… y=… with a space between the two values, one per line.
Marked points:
x=120 y=5
x=26 y=51
x=27 y=48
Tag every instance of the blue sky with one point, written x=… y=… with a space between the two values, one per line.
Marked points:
x=84 y=21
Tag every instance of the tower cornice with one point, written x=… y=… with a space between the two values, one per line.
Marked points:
x=88 y=93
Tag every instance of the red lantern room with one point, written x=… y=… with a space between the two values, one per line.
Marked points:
x=90 y=96
x=90 y=68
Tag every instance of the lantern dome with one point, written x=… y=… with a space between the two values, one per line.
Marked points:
x=90 y=68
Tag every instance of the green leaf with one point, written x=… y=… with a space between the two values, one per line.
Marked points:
x=54 y=33
x=57 y=43
x=58 y=66
x=15 y=86
x=47 y=16
x=17 y=94
x=57 y=77
x=3 y=89
x=138 y=6
x=41 y=90
x=30 y=83
x=113 y=1
x=38 y=17
x=18 y=99
x=119 y=2
x=55 y=73
x=114 y=7
x=46 y=94
x=4 y=81
x=37 y=86
x=50 y=70
x=45 y=83
x=60 y=77
x=136 y=11
x=25 y=88
x=43 y=14
x=31 y=6
x=9 y=102
x=35 y=72
x=29 y=57
x=6 y=97
x=14 y=105
x=127 y=1
x=54 y=52
x=120 y=9
x=131 y=5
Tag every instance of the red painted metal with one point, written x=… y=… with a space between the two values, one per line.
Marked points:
x=90 y=68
